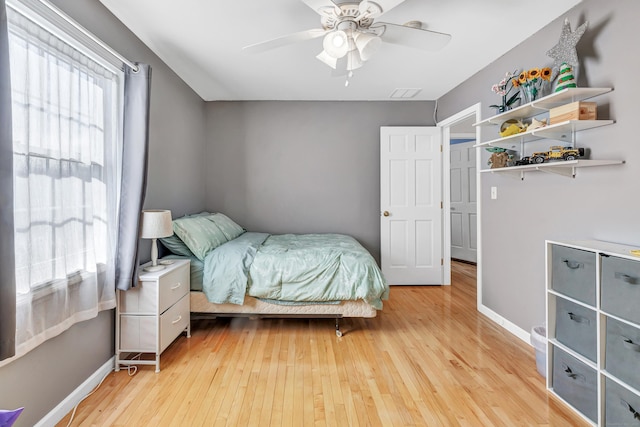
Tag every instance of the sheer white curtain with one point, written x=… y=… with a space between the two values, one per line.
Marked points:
x=66 y=142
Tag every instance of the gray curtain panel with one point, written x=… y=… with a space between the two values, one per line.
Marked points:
x=137 y=88
x=7 y=254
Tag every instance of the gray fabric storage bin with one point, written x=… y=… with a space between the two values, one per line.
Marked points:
x=623 y=352
x=621 y=407
x=576 y=383
x=621 y=287
x=573 y=273
x=576 y=328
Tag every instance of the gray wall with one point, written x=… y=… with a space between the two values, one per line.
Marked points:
x=600 y=202
x=303 y=167
x=314 y=167
x=45 y=376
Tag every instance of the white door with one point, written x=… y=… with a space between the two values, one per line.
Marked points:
x=464 y=242
x=411 y=205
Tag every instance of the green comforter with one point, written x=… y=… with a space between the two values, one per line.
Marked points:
x=307 y=268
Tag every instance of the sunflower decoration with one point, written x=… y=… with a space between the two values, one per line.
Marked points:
x=532 y=82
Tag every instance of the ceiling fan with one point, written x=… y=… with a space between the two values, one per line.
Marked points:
x=351 y=36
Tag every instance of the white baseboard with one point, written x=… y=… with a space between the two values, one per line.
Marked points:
x=67 y=405
x=511 y=327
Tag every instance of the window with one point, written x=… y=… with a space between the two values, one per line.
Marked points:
x=66 y=106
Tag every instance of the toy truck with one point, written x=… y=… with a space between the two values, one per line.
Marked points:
x=556 y=152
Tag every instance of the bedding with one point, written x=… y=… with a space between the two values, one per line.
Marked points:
x=196 y=273
x=308 y=268
x=325 y=274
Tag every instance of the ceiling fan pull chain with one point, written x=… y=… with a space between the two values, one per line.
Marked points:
x=349 y=75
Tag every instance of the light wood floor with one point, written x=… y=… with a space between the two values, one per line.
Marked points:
x=428 y=359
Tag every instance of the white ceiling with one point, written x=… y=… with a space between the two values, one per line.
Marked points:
x=202 y=41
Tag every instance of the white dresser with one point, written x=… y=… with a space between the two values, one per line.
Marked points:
x=593 y=317
x=152 y=315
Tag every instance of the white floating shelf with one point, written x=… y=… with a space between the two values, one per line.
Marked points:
x=565 y=168
x=541 y=105
x=559 y=131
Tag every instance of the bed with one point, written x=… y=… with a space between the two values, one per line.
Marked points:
x=239 y=273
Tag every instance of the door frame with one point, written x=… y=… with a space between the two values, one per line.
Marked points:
x=446 y=124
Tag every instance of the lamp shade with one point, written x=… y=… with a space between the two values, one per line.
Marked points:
x=336 y=44
x=367 y=44
x=327 y=59
x=156 y=223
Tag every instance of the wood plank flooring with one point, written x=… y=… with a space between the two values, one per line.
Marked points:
x=428 y=359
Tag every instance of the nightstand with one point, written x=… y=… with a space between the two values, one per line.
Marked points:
x=152 y=315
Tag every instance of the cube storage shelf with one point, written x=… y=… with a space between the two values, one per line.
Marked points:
x=593 y=346
x=564 y=132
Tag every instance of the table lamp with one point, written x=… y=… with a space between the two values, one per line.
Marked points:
x=156 y=223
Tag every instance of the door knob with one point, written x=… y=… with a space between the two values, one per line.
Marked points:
x=386 y=213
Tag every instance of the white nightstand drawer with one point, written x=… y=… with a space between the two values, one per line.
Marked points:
x=141 y=299
x=138 y=333
x=173 y=322
x=144 y=298
x=174 y=286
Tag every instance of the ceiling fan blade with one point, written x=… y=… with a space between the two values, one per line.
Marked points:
x=367 y=9
x=363 y=6
x=285 y=40
x=385 y=5
x=412 y=37
x=321 y=6
x=373 y=9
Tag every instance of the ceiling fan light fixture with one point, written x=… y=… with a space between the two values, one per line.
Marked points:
x=337 y=41
x=367 y=45
x=336 y=44
x=328 y=59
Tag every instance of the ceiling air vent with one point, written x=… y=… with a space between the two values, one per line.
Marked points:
x=404 y=93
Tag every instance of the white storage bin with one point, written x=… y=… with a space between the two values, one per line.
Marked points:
x=539 y=342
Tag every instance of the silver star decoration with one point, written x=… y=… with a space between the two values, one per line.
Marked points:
x=565 y=50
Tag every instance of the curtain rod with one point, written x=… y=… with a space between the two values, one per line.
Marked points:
x=87 y=33
x=95 y=39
